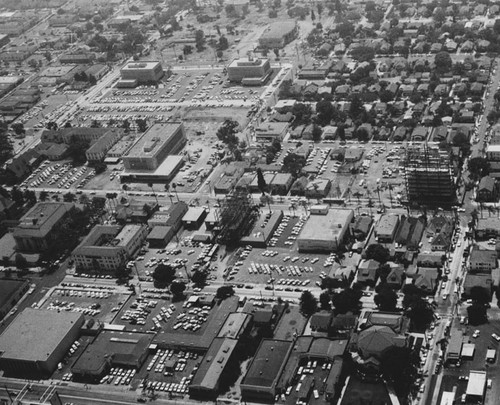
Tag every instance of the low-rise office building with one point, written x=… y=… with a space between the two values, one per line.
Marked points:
x=278 y=34
x=108 y=247
x=142 y=72
x=249 y=71
x=36 y=229
x=154 y=146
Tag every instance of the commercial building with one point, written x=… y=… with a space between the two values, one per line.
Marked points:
x=35 y=232
x=249 y=71
x=237 y=324
x=493 y=153
x=386 y=228
x=37 y=340
x=482 y=261
x=325 y=233
x=154 y=146
x=454 y=349
x=261 y=380
x=429 y=176
x=142 y=72
x=194 y=217
x=171 y=217
x=108 y=247
x=97 y=152
x=111 y=349
x=164 y=173
x=278 y=34
x=269 y=131
x=160 y=236
x=11 y=291
x=215 y=363
x=476 y=386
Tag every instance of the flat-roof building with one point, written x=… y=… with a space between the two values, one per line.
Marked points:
x=37 y=340
x=194 y=217
x=97 y=151
x=325 y=233
x=154 y=146
x=111 y=349
x=108 y=247
x=35 y=232
x=237 y=323
x=278 y=34
x=476 y=386
x=269 y=131
x=386 y=228
x=143 y=72
x=261 y=380
x=11 y=291
x=249 y=71
x=206 y=381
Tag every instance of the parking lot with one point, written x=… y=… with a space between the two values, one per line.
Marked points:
x=59 y=175
x=190 y=85
x=98 y=304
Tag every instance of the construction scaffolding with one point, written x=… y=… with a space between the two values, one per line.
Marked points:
x=429 y=176
x=235 y=217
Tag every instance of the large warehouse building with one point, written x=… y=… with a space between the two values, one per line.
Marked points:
x=24 y=352
x=154 y=146
x=142 y=72
x=325 y=233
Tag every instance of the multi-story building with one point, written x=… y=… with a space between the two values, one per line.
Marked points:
x=249 y=71
x=108 y=247
x=278 y=35
x=97 y=152
x=154 y=146
x=493 y=153
x=429 y=176
x=142 y=72
x=35 y=232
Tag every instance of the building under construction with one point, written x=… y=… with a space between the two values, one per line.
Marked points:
x=236 y=217
x=429 y=176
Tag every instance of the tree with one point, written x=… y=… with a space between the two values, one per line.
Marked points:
x=347 y=300
x=363 y=53
x=20 y=261
x=261 y=182
x=293 y=164
x=399 y=365
x=69 y=197
x=187 y=50
x=325 y=112
x=443 y=61
x=478 y=167
x=419 y=312
x=17 y=196
x=480 y=295
x=199 y=38
x=227 y=133
x=18 y=128
x=199 y=278
x=142 y=124
x=477 y=314
x=44 y=195
x=302 y=113
x=163 y=275
x=224 y=292
x=29 y=197
x=386 y=299
x=308 y=303
x=6 y=148
x=377 y=252
x=439 y=16
x=325 y=302
x=223 y=43
x=230 y=10
x=177 y=289
x=316 y=133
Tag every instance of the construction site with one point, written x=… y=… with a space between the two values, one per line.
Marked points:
x=429 y=176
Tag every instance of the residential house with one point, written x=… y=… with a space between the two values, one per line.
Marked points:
x=487 y=190
x=426 y=279
x=361 y=227
x=367 y=272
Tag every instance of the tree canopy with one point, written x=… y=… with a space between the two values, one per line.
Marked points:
x=347 y=300
x=163 y=275
x=308 y=303
x=224 y=292
x=377 y=252
x=386 y=299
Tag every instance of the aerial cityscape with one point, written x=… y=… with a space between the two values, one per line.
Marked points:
x=249 y=202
